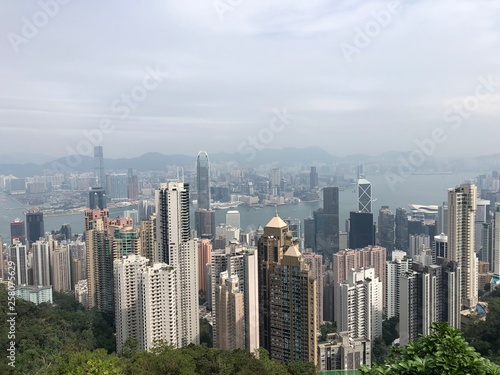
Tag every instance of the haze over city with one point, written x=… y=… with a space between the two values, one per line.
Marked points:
x=220 y=73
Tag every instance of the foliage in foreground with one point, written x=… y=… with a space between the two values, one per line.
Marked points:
x=42 y=332
x=168 y=361
x=444 y=351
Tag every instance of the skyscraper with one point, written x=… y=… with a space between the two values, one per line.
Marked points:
x=272 y=245
x=313 y=178
x=19 y=255
x=61 y=269
x=205 y=223
x=326 y=224
x=99 y=260
x=242 y=262
x=496 y=245
x=361 y=230
x=359 y=307
x=126 y=290
x=315 y=263
x=399 y=263
x=34 y=225
x=158 y=307
x=17 y=231
x=230 y=313
x=233 y=218
x=293 y=310
x=386 y=229
x=402 y=229
x=203 y=180
x=177 y=249
x=364 y=195
x=41 y=263
x=118 y=187
x=461 y=218
x=97 y=198
x=100 y=177
x=204 y=258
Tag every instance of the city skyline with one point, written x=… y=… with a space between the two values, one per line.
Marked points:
x=340 y=87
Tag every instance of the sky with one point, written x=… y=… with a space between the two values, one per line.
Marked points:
x=232 y=75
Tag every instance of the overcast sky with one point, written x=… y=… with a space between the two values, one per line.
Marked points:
x=225 y=69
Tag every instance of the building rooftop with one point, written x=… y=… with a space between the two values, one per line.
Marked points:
x=276 y=222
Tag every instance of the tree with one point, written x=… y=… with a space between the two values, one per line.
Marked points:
x=443 y=352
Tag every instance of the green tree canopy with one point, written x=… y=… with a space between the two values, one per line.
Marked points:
x=443 y=352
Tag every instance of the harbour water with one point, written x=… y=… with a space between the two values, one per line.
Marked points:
x=417 y=189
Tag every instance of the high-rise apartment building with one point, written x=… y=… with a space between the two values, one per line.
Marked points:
x=400 y=263
x=176 y=248
x=158 y=309
x=241 y=262
x=99 y=260
x=41 y=263
x=230 y=313
x=203 y=180
x=496 y=246
x=293 y=318
x=347 y=260
x=272 y=245
x=461 y=239
x=360 y=305
x=204 y=258
x=287 y=297
x=148 y=238
x=126 y=289
x=315 y=263
x=61 y=269
x=19 y=255
x=97 y=198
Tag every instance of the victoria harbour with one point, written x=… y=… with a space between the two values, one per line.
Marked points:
x=415 y=189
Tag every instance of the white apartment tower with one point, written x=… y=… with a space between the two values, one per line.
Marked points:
x=400 y=263
x=461 y=220
x=126 y=289
x=360 y=304
x=496 y=245
x=158 y=312
x=176 y=248
x=41 y=263
x=19 y=256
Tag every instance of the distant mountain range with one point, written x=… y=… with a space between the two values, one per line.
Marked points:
x=155 y=161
